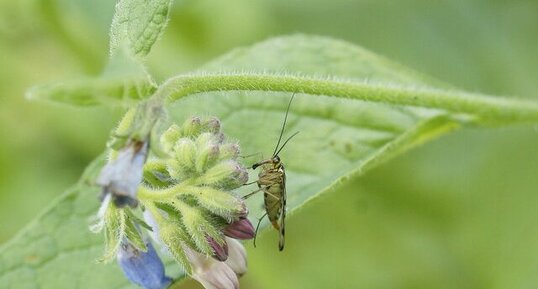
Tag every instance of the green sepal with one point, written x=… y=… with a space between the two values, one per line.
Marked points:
x=181 y=166
x=218 y=202
x=170 y=137
x=156 y=174
x=227 y=174
x=132 y=233
x=114 y=223
x=207 y=152
x=198 y=227
x=174 y=237
x=191 y=127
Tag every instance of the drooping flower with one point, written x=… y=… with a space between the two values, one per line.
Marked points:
x=211 y=273
x=121 y=176
x=237 y=257
x=240 y=229
x=142 y=268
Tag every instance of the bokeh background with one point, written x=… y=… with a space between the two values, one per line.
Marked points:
x=460 y=212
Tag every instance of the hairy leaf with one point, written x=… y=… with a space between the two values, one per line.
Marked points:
x=339 y=139
x=137 y=24
x=123 y=81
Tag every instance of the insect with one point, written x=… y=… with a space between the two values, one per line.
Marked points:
x=272 y=181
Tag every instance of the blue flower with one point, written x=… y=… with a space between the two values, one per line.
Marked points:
x=121 y=176
x=142 y=268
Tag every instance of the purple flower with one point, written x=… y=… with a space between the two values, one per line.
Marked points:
x=241 y=229
x=220 y=251
x=142 y=268
x=121 y=176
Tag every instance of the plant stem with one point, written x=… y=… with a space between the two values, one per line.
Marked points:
x=482 y=108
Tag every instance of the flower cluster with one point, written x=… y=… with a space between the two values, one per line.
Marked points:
x=185 y=193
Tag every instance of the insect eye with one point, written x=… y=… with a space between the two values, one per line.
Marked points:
x=276 y=159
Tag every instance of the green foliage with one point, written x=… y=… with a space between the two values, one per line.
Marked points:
x=137 y=24
x=135 y=28
x=384 y=110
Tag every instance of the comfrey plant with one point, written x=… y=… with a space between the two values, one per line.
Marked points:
x=185 y=192
x=174 y=191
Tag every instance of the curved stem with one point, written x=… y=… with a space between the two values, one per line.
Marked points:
x=483 y=108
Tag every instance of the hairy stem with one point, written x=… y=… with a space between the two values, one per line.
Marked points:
x=481 y=108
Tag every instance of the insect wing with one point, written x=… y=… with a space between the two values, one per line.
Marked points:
x=282 y=219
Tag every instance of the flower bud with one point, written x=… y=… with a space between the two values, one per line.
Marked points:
x=208 y=156
x=181 y=166
x=170 y=137
x=243 y=213
x=207 y=152
x=219 y=137
x=212 y=125
x=220 y=203
x=220 y=251
x=229 y=151
x=227 y=174
x=241 y=229
x=198 y=227
x=142 y=268
x=192 y=127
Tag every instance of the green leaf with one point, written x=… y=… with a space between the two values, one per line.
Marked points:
x=124 y=81
x=137 y=24
x=339 y=139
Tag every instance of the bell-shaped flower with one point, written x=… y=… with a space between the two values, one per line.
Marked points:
x=211 y=273
x=142 y=268
x=237 y=256
x=121 y=176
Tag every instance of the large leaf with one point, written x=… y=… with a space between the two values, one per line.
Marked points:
x=124 y=80
x=338 y=139
x=136 y=26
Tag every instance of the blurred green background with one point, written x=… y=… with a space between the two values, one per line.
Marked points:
x=457 y=213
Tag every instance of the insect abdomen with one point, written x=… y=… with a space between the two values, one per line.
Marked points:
x=272 y=199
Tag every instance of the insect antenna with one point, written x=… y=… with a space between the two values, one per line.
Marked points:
x=286 y=143
x=283 y=125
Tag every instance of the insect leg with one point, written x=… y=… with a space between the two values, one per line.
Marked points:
x=276 y=198
x=257 y=227
x=248 y=184
x=251 y=155
x=250 y=194
x=264 y=189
